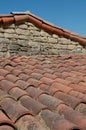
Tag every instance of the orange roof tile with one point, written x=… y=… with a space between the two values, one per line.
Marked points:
x=40 y=95
x=18 y=18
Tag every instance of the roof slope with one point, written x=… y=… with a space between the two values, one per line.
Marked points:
x=18 y=18
x=43 y=92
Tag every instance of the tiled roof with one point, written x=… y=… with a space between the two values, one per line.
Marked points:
x=43 y=92
x=18 y=18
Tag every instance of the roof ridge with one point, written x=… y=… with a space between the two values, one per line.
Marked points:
x=21 y=17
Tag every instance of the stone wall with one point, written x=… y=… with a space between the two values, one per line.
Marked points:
x=27 y=39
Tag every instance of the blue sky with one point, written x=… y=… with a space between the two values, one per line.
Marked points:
x=68 y=14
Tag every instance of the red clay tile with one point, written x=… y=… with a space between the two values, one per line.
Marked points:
x=81 y=108
x=78 y=95
x=53 y=89
x=6 y=85
x=1 y=78
x=62 y=81
x=36 y=75
x=58 y=31
x=35 y=21
x=82 y=41
x=47 y=81
x=6 y=62
x=84 y=78
x=58 y=86
x=24 y=76
x=47 y=70
x=20 y=19
x=34 y=82
x=12 y=78
x=27 y=71
x=47 y=75
x=5 y=15
x=74 y=38
x=73 y=116
x=77 y=73
x=49 y=101
x=22 y=84
x=74 y=80
x=19 y=67
x=13 y=109
x=65 y=74
x=6 y=127
x=5 y=121
x=47 y=28
x=68 y=99
x=44 y=87
x=3 y=95
x=57 y=122
x=32 y=104
x=28 y=85
x=28 y=66
x=34 y=92
x=29 y=123
x=81 y=87
x=16 y=72
x=6 y=21
x=17 y=93
x=66 y=35
x=3 y=118
x=39 y=71
x=75 y=93
x=9 y=68
x=0 y=21
x=31 y=63
x=3 y=72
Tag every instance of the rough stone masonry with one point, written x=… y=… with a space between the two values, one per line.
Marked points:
x=27 y=39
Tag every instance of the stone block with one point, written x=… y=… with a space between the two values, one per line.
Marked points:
x=83 y=50
x=22 y=31
x=1 y=30
x=37 y=39
x=22 y=26
x=1 y=39
x=2 y=53
x=13 y=26
x=24 y=48
x=52 y=40
x=23 y=37
x=33 y=28
x=13 y=47
x=55 y=36
x=7 y=35
x=22 y=42
x=35 y=33
x=11 y=31
x=71 y=47
x=53 y=51
x=44 y=34
x=23 y=53
x=63 y=41
x=44 y=40
x=4 y=49
x=4 y=40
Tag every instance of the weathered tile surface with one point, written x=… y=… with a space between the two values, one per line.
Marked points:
x=43 y=92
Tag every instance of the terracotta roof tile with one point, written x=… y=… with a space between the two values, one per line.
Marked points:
x=22 y=17
x=36 y=94
x=57 y=122
x=31 y=104
x=29 y=122
x=13 y=109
